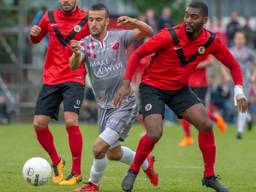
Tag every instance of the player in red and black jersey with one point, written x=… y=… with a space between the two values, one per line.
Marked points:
x=178 y=52
x=61 y=84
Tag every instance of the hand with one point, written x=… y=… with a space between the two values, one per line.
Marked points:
x=35 y=30
x=242 y=104
x=125 y=20
x=240 y=99
x=74 y=45
x=121 y=93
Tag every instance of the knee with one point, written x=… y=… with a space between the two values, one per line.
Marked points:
x=98 y=151
x=205 y=126
x=39 y=124
x=69 y=122
x=114 y=156
x=154 y=134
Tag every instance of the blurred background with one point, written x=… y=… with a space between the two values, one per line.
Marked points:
x=21 y=63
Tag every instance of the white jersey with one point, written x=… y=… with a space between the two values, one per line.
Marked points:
x=105 y=63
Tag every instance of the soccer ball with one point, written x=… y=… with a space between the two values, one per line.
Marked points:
x=36 y=171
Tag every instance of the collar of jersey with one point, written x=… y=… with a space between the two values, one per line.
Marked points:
x=103 y=42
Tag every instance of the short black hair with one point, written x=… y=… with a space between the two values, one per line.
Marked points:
x=98 y=7
x=200 y=5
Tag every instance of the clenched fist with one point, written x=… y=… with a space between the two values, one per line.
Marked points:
x=74 y=45
x=35 y=31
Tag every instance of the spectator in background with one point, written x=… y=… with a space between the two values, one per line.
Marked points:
x=4 y=115
x=248 y=32
x=232 y=27
x=151 y=20
x=165 y=19
x=247 y=61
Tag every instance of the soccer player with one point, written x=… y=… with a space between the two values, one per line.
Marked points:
x=199 y=84
x=178 y=52
x=104 y=55
x=247 y=60
x=61 y=84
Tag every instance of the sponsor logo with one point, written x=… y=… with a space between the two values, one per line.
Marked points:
x=148 y=107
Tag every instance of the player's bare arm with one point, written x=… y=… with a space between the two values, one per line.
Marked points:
x=142 y=29
x=75 y=59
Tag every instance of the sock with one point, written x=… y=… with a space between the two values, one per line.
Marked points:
x=128 y=157
x=76 y=144
x=97 y=170
x=212 y=116
x=45 y=138
x=186 y=127
x=208 y=149
x=241 y=120
x=145 y=147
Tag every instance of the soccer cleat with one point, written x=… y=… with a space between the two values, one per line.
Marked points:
x=221 y=124
x=89 y=186
x=129 y=180
x=213 y=182
x=186 y=142
x=72 y=179
x=57 y=175
x=239 y=136
x=151 y=172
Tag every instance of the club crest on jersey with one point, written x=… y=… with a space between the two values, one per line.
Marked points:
x=77 y=28
x=201 y=50
x=148 y=107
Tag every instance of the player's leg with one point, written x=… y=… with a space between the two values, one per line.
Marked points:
x=187 y=140
x=73 y=94
x=152 y=109
x=241 y=121
x=188 y=106
x=197 y=115
x=47 y=107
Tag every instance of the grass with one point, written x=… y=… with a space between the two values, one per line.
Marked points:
x=180 y=169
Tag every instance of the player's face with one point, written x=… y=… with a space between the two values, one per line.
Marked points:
x=68 y=5
x=194 y=20
x=98 y=22
x=239 y=39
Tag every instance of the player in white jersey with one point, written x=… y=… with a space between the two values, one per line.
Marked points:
x=247 y=60
x=104 y=55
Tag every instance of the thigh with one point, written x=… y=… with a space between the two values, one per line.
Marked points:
x=73 y=94
x=48 y=101
x=200 y=92
x=182 y=100
x=198 y=116
x=152 y=101
x=121 y=119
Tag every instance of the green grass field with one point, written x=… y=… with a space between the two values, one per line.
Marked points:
x=180 y=169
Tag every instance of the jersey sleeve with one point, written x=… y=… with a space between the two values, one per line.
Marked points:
x=221 y=52
x=82 y=48
x=160 y=41
x=43 y=24
x=126 y=37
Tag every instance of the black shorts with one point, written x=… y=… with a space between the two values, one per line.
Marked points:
x=200 y=92
x=51 y=96
x=153 y=100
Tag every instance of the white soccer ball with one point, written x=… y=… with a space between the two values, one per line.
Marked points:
x=36 y=171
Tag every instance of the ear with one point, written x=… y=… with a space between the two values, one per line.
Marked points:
x=205 y=19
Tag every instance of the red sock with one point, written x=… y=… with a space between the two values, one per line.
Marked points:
x=186 y=127
x=208 y=149
x=76 y=144
x=145 y=147
x=45 y=138
x=212 y=116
